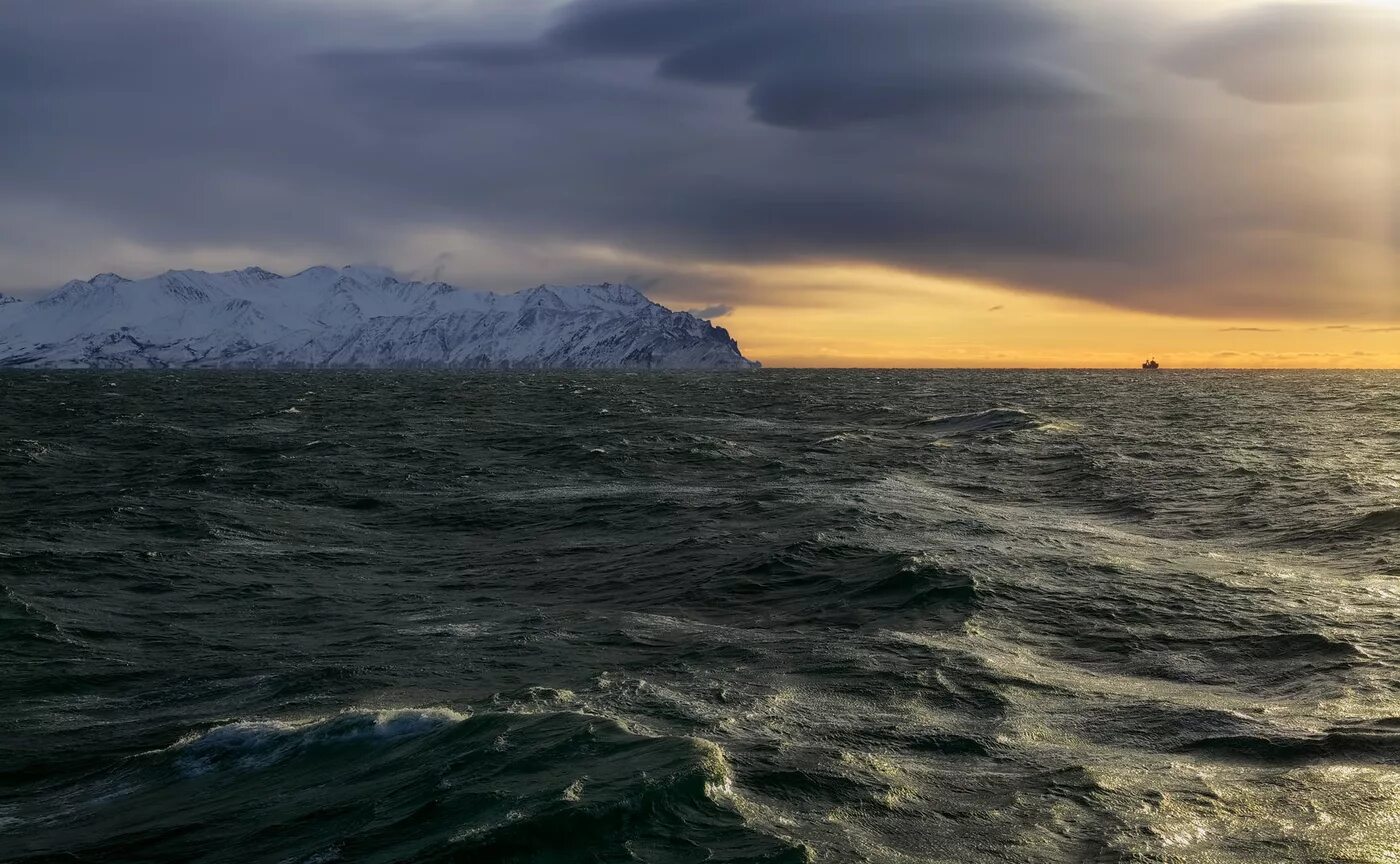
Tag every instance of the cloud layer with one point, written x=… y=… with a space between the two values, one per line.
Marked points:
x=1298 y=53
x=1241 y=164
x=827 y=64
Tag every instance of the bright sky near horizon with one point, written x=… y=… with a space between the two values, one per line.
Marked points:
x=842 y=183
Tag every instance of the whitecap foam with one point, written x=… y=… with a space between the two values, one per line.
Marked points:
x=844 y=437
x=575 y=791
x=989 y=421
x=714 y=763
x=325 y=856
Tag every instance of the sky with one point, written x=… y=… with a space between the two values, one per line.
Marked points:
x=837 y=182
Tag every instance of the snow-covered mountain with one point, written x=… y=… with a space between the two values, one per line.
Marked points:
x=357 y=317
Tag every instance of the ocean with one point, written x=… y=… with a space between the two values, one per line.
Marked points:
x=785 y=616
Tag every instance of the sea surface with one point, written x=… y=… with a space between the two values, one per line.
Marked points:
x=784 y=616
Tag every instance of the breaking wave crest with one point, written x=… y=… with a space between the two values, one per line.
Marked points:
x=444 y=785
x=247 y=745
x=989 y=422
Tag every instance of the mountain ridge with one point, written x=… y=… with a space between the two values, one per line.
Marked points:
x=354 y=317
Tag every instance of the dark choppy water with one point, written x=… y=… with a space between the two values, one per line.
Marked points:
x=786 y=616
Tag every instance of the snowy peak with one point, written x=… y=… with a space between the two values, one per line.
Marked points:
x=107 y=280
x=362 y=317
x=603 y=295
x=369 y=275
x=249 y=275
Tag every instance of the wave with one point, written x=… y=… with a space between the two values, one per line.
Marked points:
x=845 y=438
x=1269 y=647
x=27 y=633
x=1359 y=530
x=919 y=583
x=30 y=450
x=989 y=422
x=18 y=617
x=1380 y=521
x=426 y=785
x=1376 y=741
x=851 y=584
x=258 y=744
x=1281 y=662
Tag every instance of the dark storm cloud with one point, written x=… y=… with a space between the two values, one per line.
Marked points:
x=823 y=64
x=692 y=27
x=170 y=118
x=1008 y=140
x=1297 y=52
x=807 y=64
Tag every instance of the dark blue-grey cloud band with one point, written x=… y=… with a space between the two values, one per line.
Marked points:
x=1036 y=143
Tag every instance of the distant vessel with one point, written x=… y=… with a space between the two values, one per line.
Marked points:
x=1151 y=364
